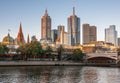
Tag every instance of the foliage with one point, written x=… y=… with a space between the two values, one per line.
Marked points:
x=35 y=48
x=48 y=52
x=60 y=49
x=118 y=51
x=3 y=49
x=77 y=55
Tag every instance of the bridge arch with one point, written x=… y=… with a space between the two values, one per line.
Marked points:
x=101 y=60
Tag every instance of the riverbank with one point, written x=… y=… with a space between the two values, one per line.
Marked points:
x=53 y=63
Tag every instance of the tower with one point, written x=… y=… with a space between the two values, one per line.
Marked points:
x=73 y=29
x=61 y=33
x=28 y=39
x=111 y=35
x=89 y=33
x=46 y=26
x=20 y=36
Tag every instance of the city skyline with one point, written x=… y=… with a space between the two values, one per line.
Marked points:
x=29 y=13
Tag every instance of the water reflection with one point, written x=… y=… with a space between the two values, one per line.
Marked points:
x=59 y=74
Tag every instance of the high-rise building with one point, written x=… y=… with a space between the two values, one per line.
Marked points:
x=89 y=33
x=54 y=34
x=111 y=35
x=20 y=37
x=118 y=41
x=46 y=26
x=61 y=30
x=73 y=29
x=65 y=38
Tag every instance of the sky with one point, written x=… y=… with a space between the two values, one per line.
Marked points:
x=100 y=13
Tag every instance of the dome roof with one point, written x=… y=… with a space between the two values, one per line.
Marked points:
x=8 y=39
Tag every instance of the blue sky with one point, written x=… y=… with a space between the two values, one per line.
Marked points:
x=101 y=13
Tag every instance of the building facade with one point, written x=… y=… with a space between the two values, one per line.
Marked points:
x=46 y=26
x=65 y=38
x=73 y=29
x=111 y=35
x=61 y=30
x=118 y=41
x=89 y=33
x=54 y=35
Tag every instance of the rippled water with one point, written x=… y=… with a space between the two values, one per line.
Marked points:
x=59 y=74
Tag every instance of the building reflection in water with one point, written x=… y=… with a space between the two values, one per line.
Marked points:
x=59 y=74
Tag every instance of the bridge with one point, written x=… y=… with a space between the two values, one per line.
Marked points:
x=107 y=57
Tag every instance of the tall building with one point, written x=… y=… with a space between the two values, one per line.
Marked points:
x=89 y=33
x=73 y=29
x=54 y=34
x=111 y=35
x=61 y=30
x=46 y=26
x=20 y=37
x=65 y=38
x=118 y=41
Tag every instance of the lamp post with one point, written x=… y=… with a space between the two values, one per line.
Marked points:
x=9 y=39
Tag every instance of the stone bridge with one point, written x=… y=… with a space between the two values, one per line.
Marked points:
x=107 y=57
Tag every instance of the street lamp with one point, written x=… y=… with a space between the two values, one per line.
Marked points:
x=9 y=39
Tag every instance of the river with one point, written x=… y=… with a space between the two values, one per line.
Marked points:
x=59 y=74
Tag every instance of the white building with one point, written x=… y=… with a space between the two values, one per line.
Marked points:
x=111 y=35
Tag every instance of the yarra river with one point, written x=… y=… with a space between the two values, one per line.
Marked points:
x=59 y=74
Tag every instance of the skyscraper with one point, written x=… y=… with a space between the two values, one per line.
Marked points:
x=61 y=30
x=46 y=26
x=20 y=37
x=111 y=35
x=73 y=29
x=65 y=38
x=89 y=33
x=118 y=41
x=54 y=34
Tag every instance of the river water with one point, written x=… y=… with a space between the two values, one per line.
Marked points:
x=59 y=74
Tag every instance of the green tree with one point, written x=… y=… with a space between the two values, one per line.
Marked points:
x=3 y=49
x=35 y=49
x=77 y=55
x=24 y=51
x=118 y=51
x=60 y=50
x=49 y=52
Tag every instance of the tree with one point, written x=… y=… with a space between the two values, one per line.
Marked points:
x=48 y=51
x=3 y=49
x=35 y=48
x=24 y=51
x=60 y=50
x=77 y=55
x=118 y=51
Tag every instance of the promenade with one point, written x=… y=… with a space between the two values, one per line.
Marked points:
x=53 y=63
x=39 y=63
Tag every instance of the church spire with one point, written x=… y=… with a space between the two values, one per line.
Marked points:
x=46 y=12
x=20 y=30
x=73 y=10
x=20 y=37
x=28 y=39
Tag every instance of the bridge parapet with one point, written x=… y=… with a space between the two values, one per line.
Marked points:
x=106 y=55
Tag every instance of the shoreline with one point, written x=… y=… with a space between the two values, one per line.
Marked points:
x=53 y=63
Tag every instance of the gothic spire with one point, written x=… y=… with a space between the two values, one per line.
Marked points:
x=20 y=30
x=28 y=39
